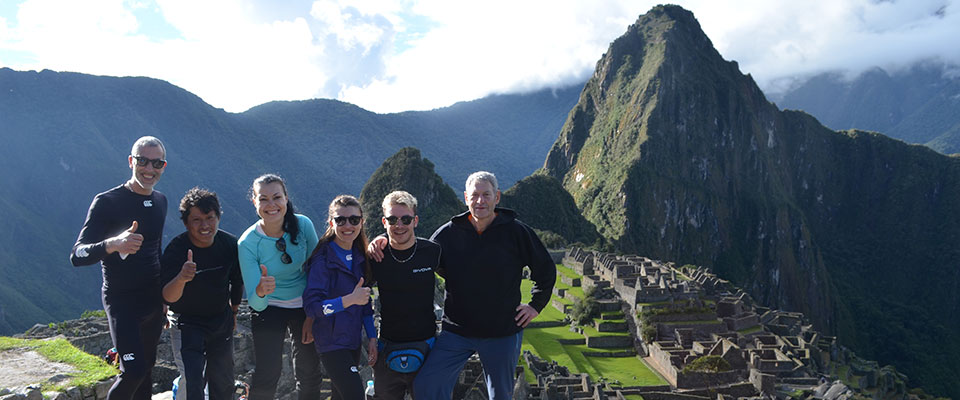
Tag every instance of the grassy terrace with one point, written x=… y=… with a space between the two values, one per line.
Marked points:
x=91 y=368
x=750 y=330
x=630 y=371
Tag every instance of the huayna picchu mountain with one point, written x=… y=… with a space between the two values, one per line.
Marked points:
x=673 y=153
x=408 y=170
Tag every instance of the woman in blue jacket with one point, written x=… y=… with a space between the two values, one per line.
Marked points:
x=337 y=300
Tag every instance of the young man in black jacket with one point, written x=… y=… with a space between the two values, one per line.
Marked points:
x=484 y=253
x=203 y=286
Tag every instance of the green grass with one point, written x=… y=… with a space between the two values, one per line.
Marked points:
x=656 y=303
x=634 y=397
x=624 y=369
x=543 y=343
x=91 y=368
x=750 y=330
x=592 y=332
x=567 y=271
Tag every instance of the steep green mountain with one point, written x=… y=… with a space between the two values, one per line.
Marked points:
x=543 y=203
x=918 y=105
x=66 y=137
x=674 y=154
x=408 y=170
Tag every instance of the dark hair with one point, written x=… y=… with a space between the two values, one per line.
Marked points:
x=360 y=243
x=290 y=224
x=203 y=199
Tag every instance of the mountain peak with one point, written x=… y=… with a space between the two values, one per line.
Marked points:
x=408 y=170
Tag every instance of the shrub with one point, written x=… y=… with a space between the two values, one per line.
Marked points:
x=94 y=314
x=707 y=364
x=648 y=333
x=583 y=310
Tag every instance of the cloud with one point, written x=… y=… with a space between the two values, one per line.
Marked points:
x=779 y=41
x=221 y=54
x=395 y=55
x=494 y=47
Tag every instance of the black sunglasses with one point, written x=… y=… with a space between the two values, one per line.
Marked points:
x=406 y=219
x=282 y=247
x=157 y=163
x=354 y=220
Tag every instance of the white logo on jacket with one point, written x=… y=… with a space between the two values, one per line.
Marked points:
x=327 y=309
x=128 y=357
x=148 y=203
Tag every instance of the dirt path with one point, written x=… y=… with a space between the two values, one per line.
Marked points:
x=20 y=368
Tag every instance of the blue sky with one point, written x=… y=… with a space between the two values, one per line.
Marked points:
x=396 y=55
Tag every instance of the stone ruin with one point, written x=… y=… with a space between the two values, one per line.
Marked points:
x=697 y=315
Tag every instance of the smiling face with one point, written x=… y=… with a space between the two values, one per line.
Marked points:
x=401 y=236
x=201 y=227
x=271 y=202
x=481 y=199
x=145 y=177
x=346 y=233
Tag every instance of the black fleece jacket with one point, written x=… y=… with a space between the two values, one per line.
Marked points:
x=483 y=273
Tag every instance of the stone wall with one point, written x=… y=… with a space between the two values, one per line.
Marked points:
x=690 y=380
x=606 y=342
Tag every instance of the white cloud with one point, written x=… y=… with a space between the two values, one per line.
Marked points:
x=394 y=55
x=777 y=40
x=494 y=47
x=340 y=19
x=222 y=56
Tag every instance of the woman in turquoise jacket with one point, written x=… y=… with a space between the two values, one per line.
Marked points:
x=272 y=255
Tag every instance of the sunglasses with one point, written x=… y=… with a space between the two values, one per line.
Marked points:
x=393 y=219
x=143 y=161
x=282 y=247
x=354 y=220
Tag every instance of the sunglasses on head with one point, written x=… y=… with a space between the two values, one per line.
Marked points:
x=282 y=247
x=143 y=161
x=393 y=219
x=354 y=220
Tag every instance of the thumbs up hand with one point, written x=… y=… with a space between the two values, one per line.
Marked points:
x=360 y=296
x=189 y=269
x=127 y=242
x=267 y=283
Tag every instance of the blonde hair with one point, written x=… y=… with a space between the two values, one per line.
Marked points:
x=399 y=198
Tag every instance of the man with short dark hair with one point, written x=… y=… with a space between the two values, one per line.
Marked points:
x=203 y=287
x=484 y=253
x=405 y=278
x=122 y=231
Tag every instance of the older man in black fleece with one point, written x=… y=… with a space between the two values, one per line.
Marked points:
x=484 y=253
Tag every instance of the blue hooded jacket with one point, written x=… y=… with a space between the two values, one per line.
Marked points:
x=328 y=278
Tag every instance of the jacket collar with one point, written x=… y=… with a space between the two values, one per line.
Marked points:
x=504 y=216
x=334 y=262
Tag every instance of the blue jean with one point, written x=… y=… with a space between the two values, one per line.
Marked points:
x=439 y=373
x=206 y=355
